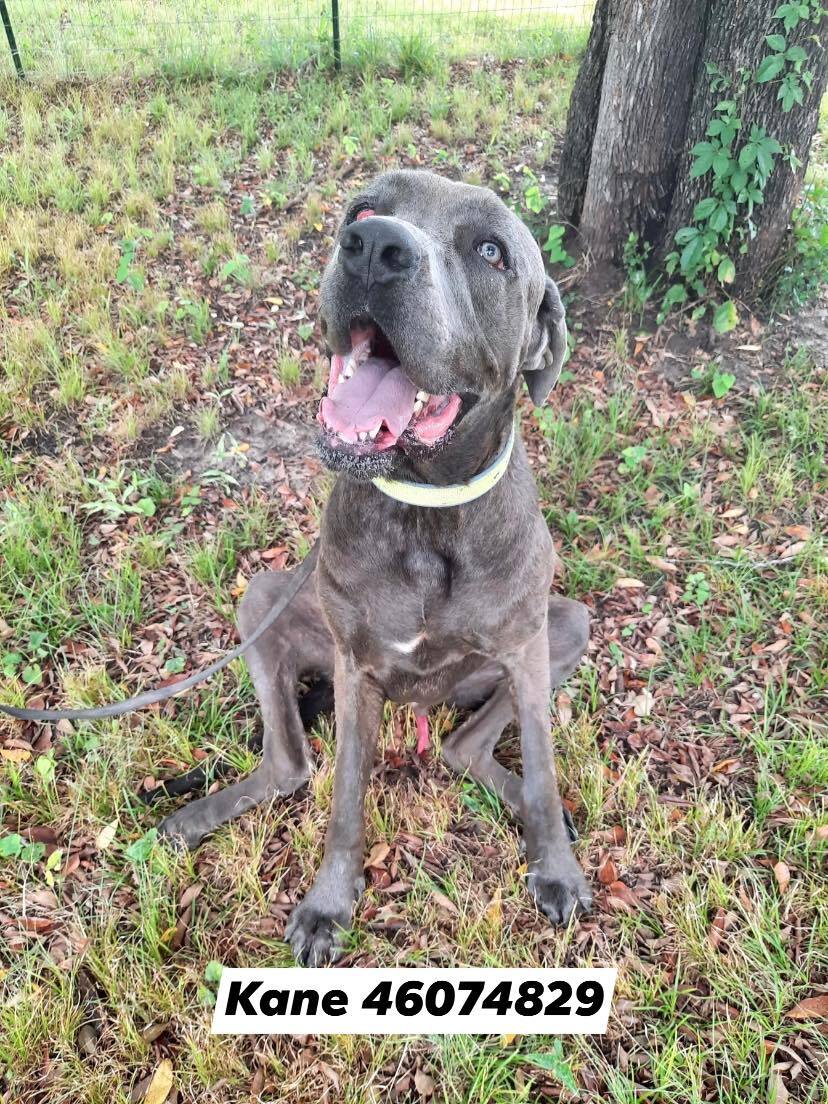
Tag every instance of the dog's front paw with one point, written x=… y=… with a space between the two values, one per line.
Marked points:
x=182 y=830
x=316 y=932
x=559 y=895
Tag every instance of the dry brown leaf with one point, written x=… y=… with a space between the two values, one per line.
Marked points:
x=162 y=1081
x=564 y=703
x=661 y=563
x=424 y=1083
x=379 y=853
x=444 y=902
x=782 y=873
x=494 y=910
x=643 y=703
x=106 y=835
x=630 y=584
x=812 y=1008
x=43 y=898
x=717 y=929
x=189 y=895
x=777 y=1093
x=15 y=755
x=607 y=874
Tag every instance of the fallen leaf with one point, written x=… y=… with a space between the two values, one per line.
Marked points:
x=801 y=532
x=718 y=928
x=379 y=853
x=812 y=1008
x=725 y=766
x=106 y=836
x=607 y=874
x=43 y=898
x=444 y=902
x=15 y=755
x=630 y=584
x=159 y=1087
x=621 y=891
x=494 y=910
x=189 y=895
x=777 y=1093
x=37 y=924
x=423 y=1083
x=782 y=874
x=564 y=703
x=661 y=564
x=643 y=703
x=507 y=1040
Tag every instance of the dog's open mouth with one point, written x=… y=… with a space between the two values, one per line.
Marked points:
x=371 y=403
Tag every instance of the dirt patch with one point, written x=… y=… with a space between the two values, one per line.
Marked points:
x=250 y=447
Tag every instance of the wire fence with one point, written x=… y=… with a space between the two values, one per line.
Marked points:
x=93 y=38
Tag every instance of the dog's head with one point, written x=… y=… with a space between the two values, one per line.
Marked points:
x=434 y=301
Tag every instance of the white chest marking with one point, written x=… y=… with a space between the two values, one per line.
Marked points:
x=408 y=646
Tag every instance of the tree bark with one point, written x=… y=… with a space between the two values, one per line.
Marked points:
x=643 y=99
x=645 y=96
x=583 y=115
x=736 y=31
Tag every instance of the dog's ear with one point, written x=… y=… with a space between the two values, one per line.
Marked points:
x=547 y=346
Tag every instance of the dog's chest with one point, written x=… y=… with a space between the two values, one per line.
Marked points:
x=407 y=620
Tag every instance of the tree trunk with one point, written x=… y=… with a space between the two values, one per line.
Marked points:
x=583 y=115
x=735 y=37
x=645 y=95
x=643 y=99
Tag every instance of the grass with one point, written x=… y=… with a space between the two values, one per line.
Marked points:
x=160 y=249
x=58 y=40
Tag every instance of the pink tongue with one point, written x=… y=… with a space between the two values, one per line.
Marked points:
x=378 y=391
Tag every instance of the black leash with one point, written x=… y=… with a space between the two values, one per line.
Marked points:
x=152 y=697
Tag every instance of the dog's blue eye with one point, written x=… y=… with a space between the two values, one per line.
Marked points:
x=491 y=253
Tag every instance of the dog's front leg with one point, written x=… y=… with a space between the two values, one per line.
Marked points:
x=319 y=922
x=554 y=877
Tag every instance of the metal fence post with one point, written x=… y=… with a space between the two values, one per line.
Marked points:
x=18 y=64
x=337 y=46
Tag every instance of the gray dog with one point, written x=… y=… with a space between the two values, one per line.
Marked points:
x=435 y=304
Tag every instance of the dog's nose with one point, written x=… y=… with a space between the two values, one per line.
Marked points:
x=379 y=250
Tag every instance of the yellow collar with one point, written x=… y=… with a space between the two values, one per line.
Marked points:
x=455 y=494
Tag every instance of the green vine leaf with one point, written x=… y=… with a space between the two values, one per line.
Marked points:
x=725 y=317
x=791 y=15
x=704 y=209
x=726 y=271
x=704 y=152
x=770 y=68
x=719 y=218
x=790 y=92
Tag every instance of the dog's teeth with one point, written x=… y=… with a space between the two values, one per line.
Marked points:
x=423 y=396
x=418 y=406
x=364 y=435
x=347 y=371
x=373 y=432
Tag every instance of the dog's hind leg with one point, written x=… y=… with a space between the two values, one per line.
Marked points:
x=470 y=750
x=298 y=644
